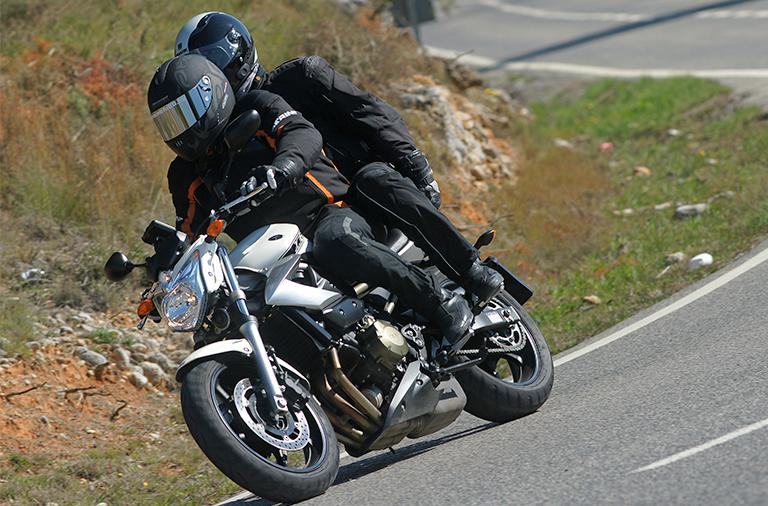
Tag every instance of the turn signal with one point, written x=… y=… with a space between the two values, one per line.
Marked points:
x=215 y=228
x=146 y=306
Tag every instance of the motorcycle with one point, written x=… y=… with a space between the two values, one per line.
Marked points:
x=287 y=365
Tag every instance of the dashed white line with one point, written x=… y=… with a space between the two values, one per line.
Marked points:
x=733 y=14
x=595 y=71
x=706 y=446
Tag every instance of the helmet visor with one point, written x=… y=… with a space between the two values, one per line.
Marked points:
x=180 y=114
x=222 y=52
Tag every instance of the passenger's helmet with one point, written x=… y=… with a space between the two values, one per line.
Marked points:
x=190 y=101
x=225 y=41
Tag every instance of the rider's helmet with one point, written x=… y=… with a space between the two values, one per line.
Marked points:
x=225 y=41
x=190 y=101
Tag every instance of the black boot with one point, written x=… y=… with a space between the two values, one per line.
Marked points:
x=454 y=319
x=483 y=282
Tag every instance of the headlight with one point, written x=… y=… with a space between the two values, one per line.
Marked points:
x=185 y=303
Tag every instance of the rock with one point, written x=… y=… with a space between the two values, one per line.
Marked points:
x=138 y=379
x=139 y=357
x=66 y=329
x=81 y=317
x=673 y=132
x=690 y=210
x=592 y=299
x=163 y=361
x=39 y=358
x=675 y=258
x=153 y=372
x=711 y=161
x=139 y=348
x=562 y=143
x=3 y=353
x=90 y=431
x=642 y=171
x=90 y=357
x=152 y=344
x=700 y=260
x=121 y=358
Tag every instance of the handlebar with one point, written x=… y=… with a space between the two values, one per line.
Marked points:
x=248 y=198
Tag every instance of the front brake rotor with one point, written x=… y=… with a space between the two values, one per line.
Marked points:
x=291 y=436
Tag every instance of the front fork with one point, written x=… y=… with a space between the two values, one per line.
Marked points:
x=250 y=331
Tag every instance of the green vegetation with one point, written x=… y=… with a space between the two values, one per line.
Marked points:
x=83 y=171
x=570 y=234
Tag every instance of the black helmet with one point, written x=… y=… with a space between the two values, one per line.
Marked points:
x=225 y=41
x=190 y=101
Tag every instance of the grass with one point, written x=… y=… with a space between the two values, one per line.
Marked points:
x=566 y=235
x=167 y=470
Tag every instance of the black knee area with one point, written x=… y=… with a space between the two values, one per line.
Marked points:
x=374 y=175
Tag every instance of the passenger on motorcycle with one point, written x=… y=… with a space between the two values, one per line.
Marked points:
x=363 y=136
x=191 y=102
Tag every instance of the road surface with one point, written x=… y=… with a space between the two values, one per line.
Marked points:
x=670 y=407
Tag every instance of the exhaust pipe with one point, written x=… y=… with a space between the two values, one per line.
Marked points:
x=360 y=400
x=325 y=390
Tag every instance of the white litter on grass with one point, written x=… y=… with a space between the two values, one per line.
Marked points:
x=701 y=260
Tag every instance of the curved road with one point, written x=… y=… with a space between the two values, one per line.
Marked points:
x=725 y=40
x=670 y=407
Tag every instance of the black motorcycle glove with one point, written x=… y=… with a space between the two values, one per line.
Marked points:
x=283 y=175
x=415 y=166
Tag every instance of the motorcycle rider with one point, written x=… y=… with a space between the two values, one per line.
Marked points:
x=191 y=102
x=363 y=136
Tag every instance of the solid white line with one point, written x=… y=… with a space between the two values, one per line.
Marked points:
x=595 y=71
x=678 y=304
x=705 y=446
x=733 y=14
x=619 y=17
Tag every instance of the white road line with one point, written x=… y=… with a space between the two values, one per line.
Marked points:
x=733 y=14
x=532 y=12
x=595 y=71
x=678 y=304
x=619 y=17
x=706 y=446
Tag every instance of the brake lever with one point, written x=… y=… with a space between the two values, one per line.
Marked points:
x=228 y=207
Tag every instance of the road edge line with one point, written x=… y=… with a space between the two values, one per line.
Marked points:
x=708 y=288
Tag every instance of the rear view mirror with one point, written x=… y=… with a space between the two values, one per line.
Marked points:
x=242 y=129
x=118 y=267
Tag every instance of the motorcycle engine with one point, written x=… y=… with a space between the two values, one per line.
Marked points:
x=383 y=349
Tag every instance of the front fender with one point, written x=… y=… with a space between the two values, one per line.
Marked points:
x=230 y=349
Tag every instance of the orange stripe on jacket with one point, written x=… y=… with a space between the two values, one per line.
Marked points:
x=186 y=226
x=261 y=134
x=321 y=187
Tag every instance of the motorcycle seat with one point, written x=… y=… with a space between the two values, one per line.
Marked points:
x=396 y=239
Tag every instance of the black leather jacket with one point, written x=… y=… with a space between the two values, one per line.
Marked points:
x=285 y=135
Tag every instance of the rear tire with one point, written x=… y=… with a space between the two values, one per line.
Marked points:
x=491 y=398
x=248 y=464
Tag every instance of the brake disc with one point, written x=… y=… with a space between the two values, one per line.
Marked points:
x=292 y=440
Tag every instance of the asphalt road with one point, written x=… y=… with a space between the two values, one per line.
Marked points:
x=726 y=40
x=670 y=407
x=685 y=379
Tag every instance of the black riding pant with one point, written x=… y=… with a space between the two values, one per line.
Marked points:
x=345 y=249
x=383 y=194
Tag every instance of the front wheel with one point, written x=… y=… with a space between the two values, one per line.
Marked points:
x=507 y=386
x=287 y=460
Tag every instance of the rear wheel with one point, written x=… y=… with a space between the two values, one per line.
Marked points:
x=510 y=385
x=288 y=460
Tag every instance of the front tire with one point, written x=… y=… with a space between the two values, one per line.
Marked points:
x=496 y=398
x=250 y=461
